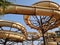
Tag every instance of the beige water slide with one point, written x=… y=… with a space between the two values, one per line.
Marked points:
x=10 y=35
x=44 y=8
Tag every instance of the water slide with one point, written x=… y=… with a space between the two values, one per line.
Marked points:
x=10 y=35
x=16 y=36
x=40 y=9
x=43 y=8
x=46 y=8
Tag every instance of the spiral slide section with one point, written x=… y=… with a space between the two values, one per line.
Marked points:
x=13 y=25
x=45 y=5
x=14 y=36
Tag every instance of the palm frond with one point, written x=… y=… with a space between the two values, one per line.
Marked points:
x=4 y=4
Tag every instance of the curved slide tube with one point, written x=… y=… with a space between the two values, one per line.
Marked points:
x=11 y=36
x=14 y=36
x=32 y=10
x=26 y=19
x=28 y=22
x=13 y=25
x=47 y=5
